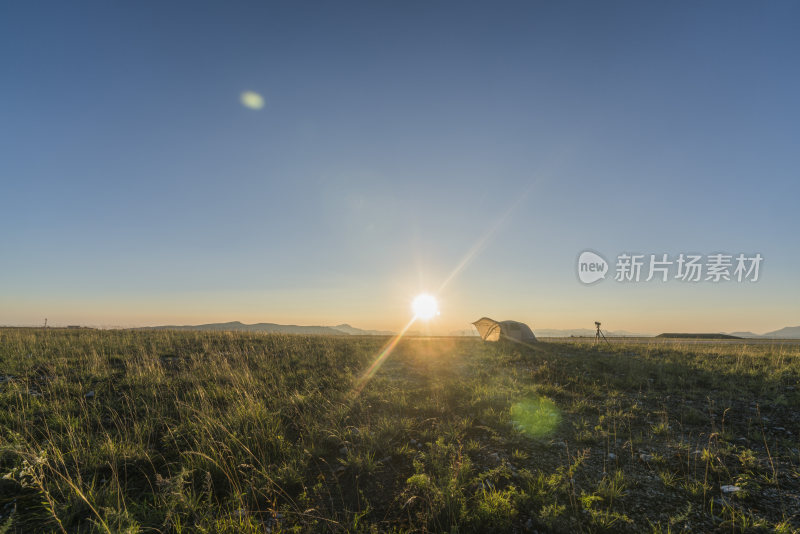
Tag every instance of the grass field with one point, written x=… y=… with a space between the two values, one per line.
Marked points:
x=137 y=431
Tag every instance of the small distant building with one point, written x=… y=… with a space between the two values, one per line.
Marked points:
x=491 y=330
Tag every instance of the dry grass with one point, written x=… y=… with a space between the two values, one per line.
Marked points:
x=137 y=431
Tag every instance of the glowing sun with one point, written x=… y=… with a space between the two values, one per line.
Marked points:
x=425 y=307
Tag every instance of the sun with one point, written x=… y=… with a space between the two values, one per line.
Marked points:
x=425 y=307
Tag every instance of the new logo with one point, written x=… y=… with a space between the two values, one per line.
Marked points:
x=591 y=267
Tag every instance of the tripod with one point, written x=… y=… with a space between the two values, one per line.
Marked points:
x=598 y=334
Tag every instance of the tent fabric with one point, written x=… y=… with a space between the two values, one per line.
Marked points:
x=491 y=330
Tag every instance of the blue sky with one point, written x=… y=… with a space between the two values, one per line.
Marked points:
x=138 y=190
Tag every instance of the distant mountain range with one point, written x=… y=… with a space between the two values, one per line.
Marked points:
x=236 y=326
x=789 y=332
x=347 y=329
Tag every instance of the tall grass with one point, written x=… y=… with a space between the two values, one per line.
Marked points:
x=160 y=431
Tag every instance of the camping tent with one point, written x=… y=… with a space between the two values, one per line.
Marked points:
x=491 y=330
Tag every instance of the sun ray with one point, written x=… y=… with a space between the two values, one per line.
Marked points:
x=385 y=352
x=478 y=246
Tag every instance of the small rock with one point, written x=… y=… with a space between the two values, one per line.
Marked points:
x=90 y=395
x=646 y=457
x=413 y=442
x=730 y=488
x=612 y=456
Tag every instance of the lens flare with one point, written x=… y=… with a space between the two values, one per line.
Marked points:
x=252 y=100
x=536 y=417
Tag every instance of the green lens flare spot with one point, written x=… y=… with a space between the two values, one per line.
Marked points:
x=536 y=417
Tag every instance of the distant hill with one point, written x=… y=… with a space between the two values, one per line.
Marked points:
x=697 y=336
x=236 y=326
x=789 y=332
x=347 y=329
x=744 y=334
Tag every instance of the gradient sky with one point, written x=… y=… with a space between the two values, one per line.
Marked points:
x=138 y=190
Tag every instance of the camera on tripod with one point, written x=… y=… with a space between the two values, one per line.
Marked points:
x=599 y=334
